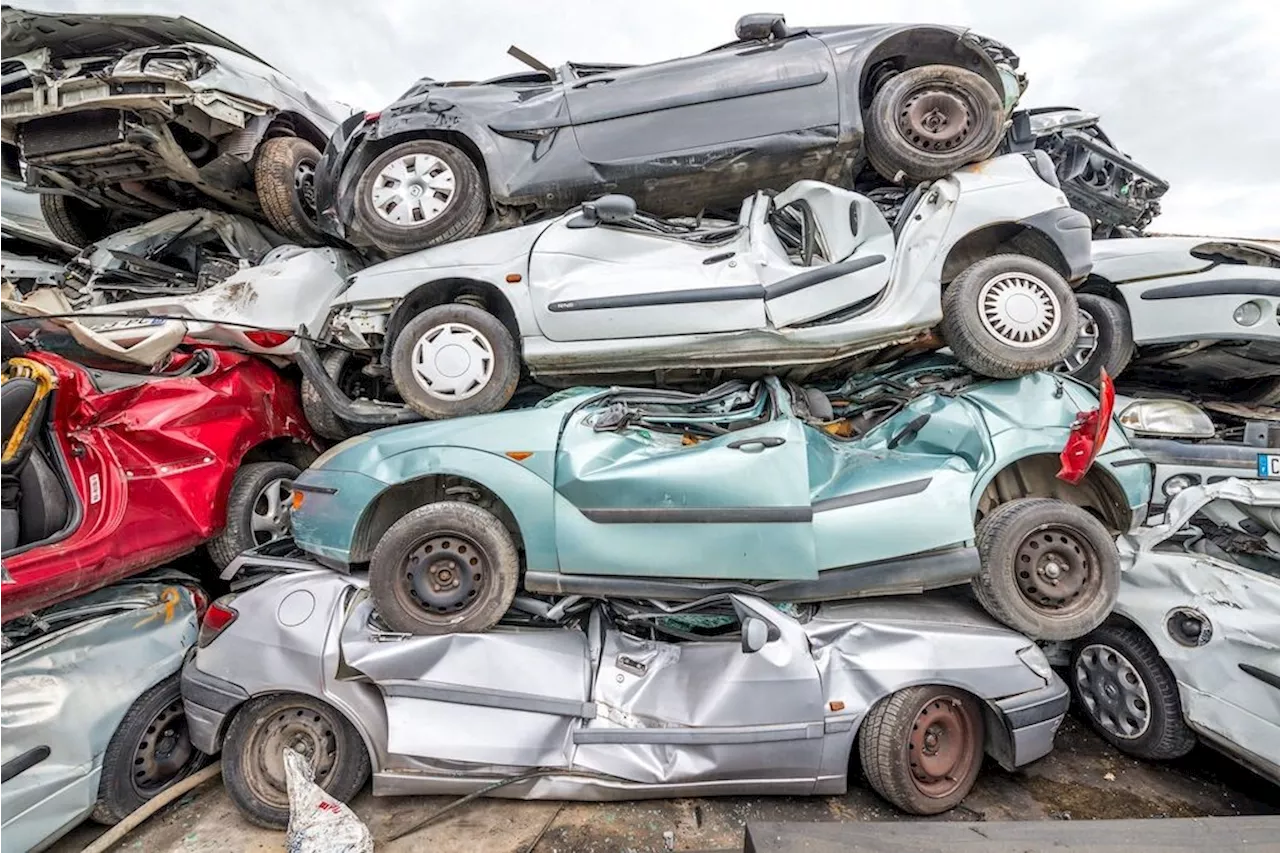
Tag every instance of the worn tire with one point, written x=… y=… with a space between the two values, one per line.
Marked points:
x=435 y=528
x=74 y=221
x=258 y=789
x=889 y=760
x=463 y=216
x=119 y=794
x=1114 y=345
x=323 y=419
x=247 y=488
x=284 y=175
x=1167 y=735
x=892 y=148
x=1004 y=577
x=981 y=349
x=496 y=391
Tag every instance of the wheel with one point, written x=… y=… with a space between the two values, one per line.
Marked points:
x=1050 y=570
x=150 y=750
x=921 y=748
x=74 y=221
x=345 y=369
x=420 y=194
x=257 y=510
x=1129 y=695
x=444 y=568
x=454 y=360
x=927 y=122
x=1009 y=315
x=1105 y=341
x=253 y=754
x=285 y=177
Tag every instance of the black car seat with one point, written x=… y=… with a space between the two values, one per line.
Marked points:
x=35 y=504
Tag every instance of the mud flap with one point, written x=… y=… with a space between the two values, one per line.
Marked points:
x=363 y=412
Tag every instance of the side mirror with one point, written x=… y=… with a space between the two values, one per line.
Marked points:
x=613 y=208
x=755 y=633
x=1021 y=137
x=760 y=27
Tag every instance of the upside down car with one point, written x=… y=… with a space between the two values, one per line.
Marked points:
x=879 y=486
x=108 y=471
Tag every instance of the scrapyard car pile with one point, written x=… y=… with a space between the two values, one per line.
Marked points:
x=644 y=588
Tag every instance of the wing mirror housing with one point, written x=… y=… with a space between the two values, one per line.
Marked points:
x=755 y=634
x=609 y=209
x=761 y=26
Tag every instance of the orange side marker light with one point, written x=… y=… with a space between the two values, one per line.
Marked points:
x=519 y=455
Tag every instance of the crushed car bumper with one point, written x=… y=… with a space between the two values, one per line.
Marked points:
x=208 y=702
x=1033 y=719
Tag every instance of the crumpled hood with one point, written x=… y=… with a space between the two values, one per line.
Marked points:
x=77 y=35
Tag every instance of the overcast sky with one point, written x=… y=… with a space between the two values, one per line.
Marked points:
x=1188 y=88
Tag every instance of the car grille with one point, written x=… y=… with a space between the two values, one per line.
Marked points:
x=71 y=132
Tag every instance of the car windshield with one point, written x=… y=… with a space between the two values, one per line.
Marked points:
x=726 y=408
x=703 y=230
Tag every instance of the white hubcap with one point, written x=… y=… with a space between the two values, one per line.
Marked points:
x=271 y=519
x=453 y=361
x=412 y=190
x=1086 y=345
x=1019 y=309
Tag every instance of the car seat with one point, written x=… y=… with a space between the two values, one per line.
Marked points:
x=34 y=500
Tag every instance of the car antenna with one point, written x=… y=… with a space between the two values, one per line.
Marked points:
x=529 y=60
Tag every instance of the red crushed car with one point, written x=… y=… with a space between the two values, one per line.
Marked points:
x=109 y=471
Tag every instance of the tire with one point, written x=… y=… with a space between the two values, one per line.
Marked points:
x=150 y=751
x=74 y=221
x=493 y=363
x=252 y=756
x=412 y=595
x=1105 y=341
x=1050 y=570
x=462 y=215
x=252 y=492
x=1116 y=663
x=897 y=139
x=989 y=337
x=894 y=744
x=323 y=419
x=284 y=175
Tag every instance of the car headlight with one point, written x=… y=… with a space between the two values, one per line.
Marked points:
x=329 y=454
x=1035 y=660
x=1167 y=418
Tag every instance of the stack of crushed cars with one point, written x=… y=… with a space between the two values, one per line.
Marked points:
x=675 y=451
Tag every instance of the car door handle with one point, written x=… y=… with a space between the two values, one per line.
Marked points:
x=762 y=442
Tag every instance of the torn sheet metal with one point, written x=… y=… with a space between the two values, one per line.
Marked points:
x=150 y=346
x=67 y=686
x=1228 y=671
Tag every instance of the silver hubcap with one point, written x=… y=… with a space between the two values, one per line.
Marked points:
x=271 y=513
x=412 y=190
x=1113 y=692
x=1019 y=309
x=1085 y=346
x=453 y=361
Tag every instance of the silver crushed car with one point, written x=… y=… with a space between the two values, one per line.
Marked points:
x=586 y=701
x=92 y=724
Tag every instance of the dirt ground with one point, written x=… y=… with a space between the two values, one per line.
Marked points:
x=1083 y=779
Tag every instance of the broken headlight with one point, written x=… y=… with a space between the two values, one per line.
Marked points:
x=1036 y=661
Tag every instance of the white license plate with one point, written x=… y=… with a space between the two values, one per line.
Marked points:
x=1269 y=465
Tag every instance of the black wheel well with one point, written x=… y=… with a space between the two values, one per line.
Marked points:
x=446 y=290
x=1001 y=238
x=287 y=123
x=1035 y=476
x=922 y=46
x=398 y=500
x=281 y=449
x=1100 y=286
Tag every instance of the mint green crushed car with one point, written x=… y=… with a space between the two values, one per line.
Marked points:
x=903 y=480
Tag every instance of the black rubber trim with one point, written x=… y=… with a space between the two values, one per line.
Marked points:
x=699 y=515
x=669 y=297
x=702 y=735
x=1125 y=463
x=461 y=694
x=870 y=496
x=22 y=763
x=1029 y=709
x=1071 y=232
x=319 y=490
x=1167 y=451
x=208 y=691
x=1226 y=287
x=810 y=278
x=1269 y=678
x=702 y=95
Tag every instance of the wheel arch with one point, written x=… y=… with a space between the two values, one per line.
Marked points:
x=1000 y=238
x=355 y=716
x=290 y=123
x=1034 y=475
x=997 y=736
x=441 y=292
x=912 y=47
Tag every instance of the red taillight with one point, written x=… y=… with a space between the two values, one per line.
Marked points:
x=1088 y=434
x=216 y=619
x=373 y=116
x=266 y=338
x=201 y=600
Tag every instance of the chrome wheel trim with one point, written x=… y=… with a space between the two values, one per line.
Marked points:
x=412 y=190
x=1113 y=692
x=1085 y=346
x=1019 y=310
x=453 y=361
x=271 y=519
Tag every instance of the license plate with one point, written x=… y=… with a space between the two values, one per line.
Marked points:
x=1269 y=465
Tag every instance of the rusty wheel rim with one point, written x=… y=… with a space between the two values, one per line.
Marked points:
x=937 y=118
x=445 y=574
x=305 y=730
x=1057 y=570
x=943 y=746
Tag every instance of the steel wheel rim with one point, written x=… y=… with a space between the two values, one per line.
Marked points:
x=413 y=190
x=271 y=516
x=937 y=118
x=1019 y=310
x=1085 y=346
x=453 y=362
x=304 y=730
x=304 y=185
x=1057 y=571
x=164 y=753
x=940 y=749
x=444 y=574
x=1113 y=692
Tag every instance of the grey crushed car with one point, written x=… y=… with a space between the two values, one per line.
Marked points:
x=582 y=700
